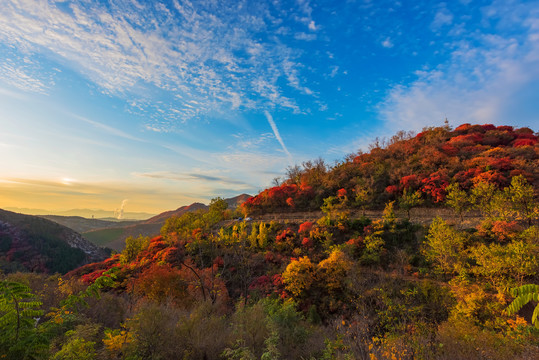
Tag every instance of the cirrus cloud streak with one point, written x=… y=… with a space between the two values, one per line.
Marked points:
x=207 y=58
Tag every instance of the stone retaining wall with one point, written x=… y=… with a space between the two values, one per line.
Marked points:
x=417 y=215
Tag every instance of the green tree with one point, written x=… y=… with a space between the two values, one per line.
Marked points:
x=335 y=211
x=409 y=200
x=248 y=324
x=444 y=246
x=76 y=349
x=374 y=249
x=522 y=199
x=218 y=205
x=363 y=198
x=216 y=211
x=458 y=199
x=253 y=236
x=18 y=310
x=523 y=295
x=389 y=215
x=482 y=195
x=501 y=206
x=263 y=235
x=504 y=264
x=133 y=247
x=287 y=329
x=184 y=225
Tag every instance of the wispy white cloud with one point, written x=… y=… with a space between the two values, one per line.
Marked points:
x=190 y=177
x=277 y=134
x=106 y=128
x=443 y=17
x=387 y=43
x=254 y=163
x=487 y=79
x=361 y=142
x=304 y=36
x=208 y=58
x=22 y=73
x=251 y=143
x=186 y=152
x=249 y=162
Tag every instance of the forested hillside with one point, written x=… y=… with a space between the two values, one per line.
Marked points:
x=342 y=287
x=31 y=243
x=114 y=234
x=409 y=165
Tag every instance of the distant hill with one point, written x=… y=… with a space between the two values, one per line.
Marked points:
x=86 y=213
x=31 y=243
x=424 y=164
x=81 y=224
x=233 y=203
x=113 y=236
x=237 y=200
x=161 y=218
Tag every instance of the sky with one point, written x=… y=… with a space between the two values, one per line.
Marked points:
x=152 y=105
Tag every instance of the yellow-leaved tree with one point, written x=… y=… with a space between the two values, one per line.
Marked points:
x=444 y=247
x=299 y=277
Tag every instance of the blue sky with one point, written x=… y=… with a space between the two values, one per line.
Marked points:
x=167 y=103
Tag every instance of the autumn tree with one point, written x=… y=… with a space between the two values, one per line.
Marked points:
x=133 y=247
x=458 y=199
x=434 y=185
x=444 y=247
x=263 y=235
x=299 y=277
x=216 y=211
x=293 y=174
x=332 y=274
x=363 y=198
x=506 y=264
x=335 y=211
x=161 y=283
x=409 y=200
x=482 y=195
x=522 y=199
x=253 y=236
x=389 y=215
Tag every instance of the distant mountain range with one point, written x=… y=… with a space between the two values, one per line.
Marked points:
x=161 y=218
x=31 y=243
x=86 y=213
x=81 y=224
x=60 y=243
x=112 y=233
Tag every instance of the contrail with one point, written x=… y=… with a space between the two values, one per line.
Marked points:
x=276 y=133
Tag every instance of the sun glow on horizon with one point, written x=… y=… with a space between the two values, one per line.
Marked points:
x=67 y=181
x=172 y=102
